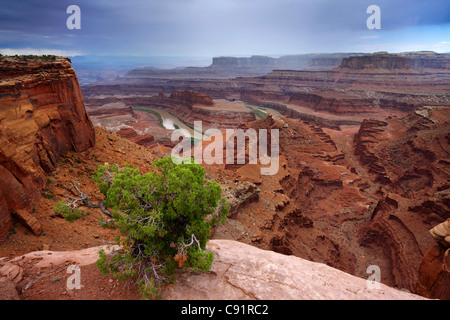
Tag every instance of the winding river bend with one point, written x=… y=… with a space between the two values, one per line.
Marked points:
x=172 y=122
x=167 y=120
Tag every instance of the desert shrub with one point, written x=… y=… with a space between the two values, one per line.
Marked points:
x=69 y=214
x=164 y=218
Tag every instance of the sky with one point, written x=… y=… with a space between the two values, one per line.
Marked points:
x=210 y=28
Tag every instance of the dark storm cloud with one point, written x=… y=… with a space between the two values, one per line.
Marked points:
x=183 y=27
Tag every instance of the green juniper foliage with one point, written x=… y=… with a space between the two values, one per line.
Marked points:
x=161 y=218
x=69 y=214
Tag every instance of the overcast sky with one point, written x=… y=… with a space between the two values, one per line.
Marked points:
x=210 y=28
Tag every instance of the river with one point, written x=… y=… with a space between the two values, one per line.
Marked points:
x=169 y=121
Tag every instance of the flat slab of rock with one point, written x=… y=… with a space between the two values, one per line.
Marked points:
x=241 y=271
x=48 y=259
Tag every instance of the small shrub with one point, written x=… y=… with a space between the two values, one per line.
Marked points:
x=161 y=218
x=69 y=214
x=76 y=214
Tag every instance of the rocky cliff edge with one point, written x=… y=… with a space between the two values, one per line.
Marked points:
x=239 y=271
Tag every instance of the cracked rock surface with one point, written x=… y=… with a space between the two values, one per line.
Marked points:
x=240 y=271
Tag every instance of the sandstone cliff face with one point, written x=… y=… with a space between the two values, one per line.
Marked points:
x=42 y=115
x=145 y=140
x=415 y=159
x=428 y=61
x=320 y=61
x=337 y=103
x=377 y=61
x=406 y=62
x=364 y=140
x=191 y=98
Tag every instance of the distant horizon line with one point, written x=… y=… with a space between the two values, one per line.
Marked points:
x=253 y=55
x=62 y=53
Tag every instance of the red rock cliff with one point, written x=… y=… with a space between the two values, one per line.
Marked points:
x=42 y=115
x=190 y=97
x=377 y=61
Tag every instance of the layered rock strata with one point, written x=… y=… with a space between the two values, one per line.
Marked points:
x=360 y=87
x=42 y=116
x=406 y=159
x=187 y=105
x=145 y=140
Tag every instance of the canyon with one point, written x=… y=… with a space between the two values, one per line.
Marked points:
x=344 y=94
x=363 y=178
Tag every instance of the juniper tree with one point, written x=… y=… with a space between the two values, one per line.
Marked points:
x=164 y=218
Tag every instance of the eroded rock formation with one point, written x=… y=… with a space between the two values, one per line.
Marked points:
x=313 y=183
x=145 y=140
x=42 y=116
x=434 y=271
x=191 y=97
x=406 y=159
x=380 y=61
x=187 y=105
